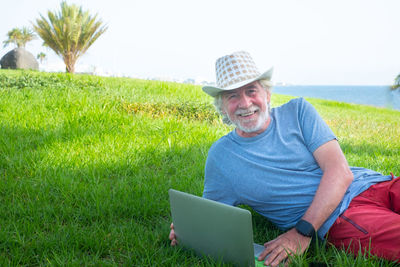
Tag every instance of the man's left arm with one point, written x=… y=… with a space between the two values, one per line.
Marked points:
x=335 y=180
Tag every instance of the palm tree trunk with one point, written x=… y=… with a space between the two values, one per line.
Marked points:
x=70 y=68
x=69 y=61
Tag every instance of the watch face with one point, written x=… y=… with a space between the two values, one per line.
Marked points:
x=305 y=228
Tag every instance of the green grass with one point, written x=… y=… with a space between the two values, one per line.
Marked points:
x=86 y=162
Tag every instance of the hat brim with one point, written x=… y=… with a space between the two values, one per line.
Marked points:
x=214 y=91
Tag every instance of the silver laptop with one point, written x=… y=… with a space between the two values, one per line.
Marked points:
x=214 y=229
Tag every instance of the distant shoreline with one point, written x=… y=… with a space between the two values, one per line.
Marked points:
x=373 y=95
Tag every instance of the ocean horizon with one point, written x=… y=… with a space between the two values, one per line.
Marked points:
x=372 y=95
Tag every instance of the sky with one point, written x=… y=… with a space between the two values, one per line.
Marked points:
x=308 y=42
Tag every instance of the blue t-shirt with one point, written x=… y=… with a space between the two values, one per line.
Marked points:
x=275 y=172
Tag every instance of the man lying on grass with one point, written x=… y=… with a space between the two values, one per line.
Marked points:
x=287 y=165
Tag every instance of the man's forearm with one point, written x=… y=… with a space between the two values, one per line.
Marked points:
x=328 y=196
x=336 y=178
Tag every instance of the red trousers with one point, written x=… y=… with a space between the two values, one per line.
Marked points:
x=371 y=224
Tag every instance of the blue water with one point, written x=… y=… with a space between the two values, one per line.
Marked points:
x=379 y=96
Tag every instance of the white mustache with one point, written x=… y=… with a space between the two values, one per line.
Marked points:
x=250 y=110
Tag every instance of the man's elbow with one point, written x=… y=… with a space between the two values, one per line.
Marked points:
x=342 y=175
x=348 y=176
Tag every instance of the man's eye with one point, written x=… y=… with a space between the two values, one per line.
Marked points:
x=232 y=96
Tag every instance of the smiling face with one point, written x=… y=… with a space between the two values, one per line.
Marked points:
x=247 y=108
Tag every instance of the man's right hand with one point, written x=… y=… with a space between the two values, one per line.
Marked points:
x=172 y=236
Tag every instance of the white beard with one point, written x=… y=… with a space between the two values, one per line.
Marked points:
x=261 y=119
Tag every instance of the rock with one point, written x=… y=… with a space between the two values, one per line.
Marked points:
x=19 y=58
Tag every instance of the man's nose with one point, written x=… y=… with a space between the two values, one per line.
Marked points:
x=244 y=101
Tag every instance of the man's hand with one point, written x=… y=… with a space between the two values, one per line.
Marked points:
x=288 y=243
x=172 y=236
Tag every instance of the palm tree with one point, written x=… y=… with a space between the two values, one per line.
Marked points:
x=396 y=84
x=19 y=37
x=69 y=33
x=41 y=57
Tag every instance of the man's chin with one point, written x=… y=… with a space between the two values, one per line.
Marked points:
x=250 y=126
x=248 y=129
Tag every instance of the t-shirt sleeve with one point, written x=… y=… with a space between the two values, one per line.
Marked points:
x=316 y=131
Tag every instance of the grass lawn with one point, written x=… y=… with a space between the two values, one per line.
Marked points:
x=86 y=163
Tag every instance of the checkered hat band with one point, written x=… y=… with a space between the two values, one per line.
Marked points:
x=235 y=68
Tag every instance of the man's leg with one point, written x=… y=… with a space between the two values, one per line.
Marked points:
x=371 y=223
x=394 y=194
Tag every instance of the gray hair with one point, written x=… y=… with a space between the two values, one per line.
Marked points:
x=218 y=102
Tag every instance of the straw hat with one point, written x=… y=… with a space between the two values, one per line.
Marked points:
x=234 y=71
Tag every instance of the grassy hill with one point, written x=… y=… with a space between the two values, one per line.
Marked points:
x=86 y=162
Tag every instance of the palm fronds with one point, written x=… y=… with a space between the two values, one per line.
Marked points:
x=69 y=32
x=19 y=37
x=396 y=84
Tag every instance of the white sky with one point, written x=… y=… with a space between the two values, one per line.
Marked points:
x=307 y=41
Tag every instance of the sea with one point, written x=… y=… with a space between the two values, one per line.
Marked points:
x=378 y=96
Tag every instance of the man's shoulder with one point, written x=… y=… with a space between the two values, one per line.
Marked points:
x=291 y=105
x=294 y=102
x=221 y=142
x=221 y=146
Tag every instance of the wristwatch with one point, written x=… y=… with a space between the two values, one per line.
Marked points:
x=305 y=228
